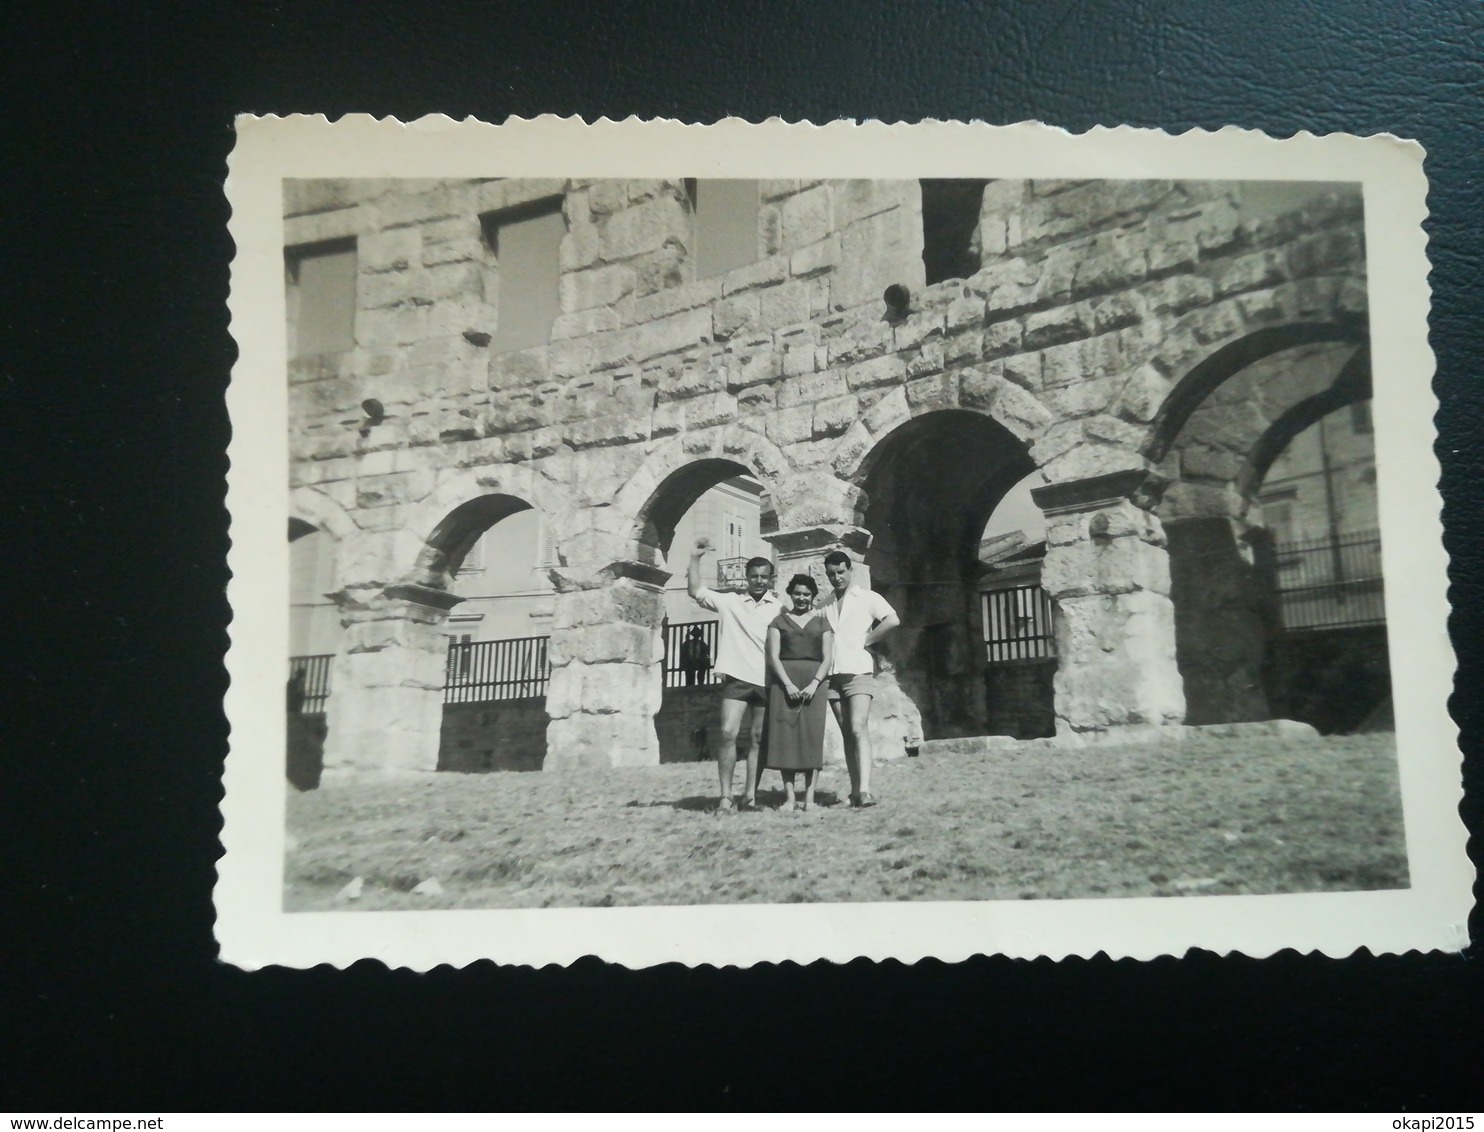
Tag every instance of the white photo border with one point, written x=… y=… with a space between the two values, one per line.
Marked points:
x=253 y=930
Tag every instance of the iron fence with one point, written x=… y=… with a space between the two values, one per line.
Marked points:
x=510 y=669
x=1018 y=625
x=687 y=667
x=309 y=683
x=1330 y=583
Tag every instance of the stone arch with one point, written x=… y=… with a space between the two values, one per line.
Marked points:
x=929 y=486
x=1204 y=368
x=311 y=509
x=979 y=390
x=1219 y=443
x=1352 y=384
x=677 y=474
x=466 y=505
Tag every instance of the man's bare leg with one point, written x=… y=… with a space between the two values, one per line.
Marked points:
x=852 y=765
x=754 y=754
x=860 y=734
x=726 y=747
x=854 y=720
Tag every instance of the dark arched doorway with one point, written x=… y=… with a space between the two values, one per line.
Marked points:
x=931 y=486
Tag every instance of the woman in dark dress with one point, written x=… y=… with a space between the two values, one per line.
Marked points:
x=800 y=651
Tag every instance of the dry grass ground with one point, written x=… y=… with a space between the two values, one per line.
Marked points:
x=1199 y=818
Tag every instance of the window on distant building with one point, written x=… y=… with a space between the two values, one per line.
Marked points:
x=546 y=549
x=320 y=286
x=473 y=562
x=526 y=242
x=735 y=545
x=726 y=214
x=1360 y=417
x=950 y=217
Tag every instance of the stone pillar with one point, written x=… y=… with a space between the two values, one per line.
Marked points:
x=606 y=677
x=1108 y=574
x=1225 y=614
x=896 y=723
x=385 y=712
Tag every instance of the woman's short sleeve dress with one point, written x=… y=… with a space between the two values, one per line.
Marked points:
x=796 y=734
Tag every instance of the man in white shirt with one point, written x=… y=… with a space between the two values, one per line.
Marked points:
x=859 y=618
x=745 y=618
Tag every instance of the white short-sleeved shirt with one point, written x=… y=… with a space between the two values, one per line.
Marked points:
x=744 y=631
x=851 y=617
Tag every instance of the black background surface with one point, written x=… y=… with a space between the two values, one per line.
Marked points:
x=115 y=355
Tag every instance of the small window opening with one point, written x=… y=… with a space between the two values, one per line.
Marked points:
x=320 y=289
x=726 y=218
x=526 y=242
x=950 y=219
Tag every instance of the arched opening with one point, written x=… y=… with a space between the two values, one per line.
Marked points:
x=1017 y=618
x=1327 y=661
x=492 y=555
x=931 y=486
x=1263 y=542
x=452 y=539
x=721 y=501
x=314 y=636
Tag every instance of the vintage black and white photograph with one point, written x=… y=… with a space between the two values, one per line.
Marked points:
x=709 y=539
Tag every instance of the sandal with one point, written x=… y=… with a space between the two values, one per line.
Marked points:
x=864 y=801
x=726 y=806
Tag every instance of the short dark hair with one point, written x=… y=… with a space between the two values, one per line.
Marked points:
x=751 y=562
x=802 y=580
x=838 y=558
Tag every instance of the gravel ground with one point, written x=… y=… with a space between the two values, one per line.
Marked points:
x=1199 y=818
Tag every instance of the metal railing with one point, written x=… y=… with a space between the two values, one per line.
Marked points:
x=511 y=669
x=1330 y=583
x=309 y=683
x=687 y=667
x=1018 y=625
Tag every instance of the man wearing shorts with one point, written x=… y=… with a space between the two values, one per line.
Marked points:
x=859 y=617
x=745 y=618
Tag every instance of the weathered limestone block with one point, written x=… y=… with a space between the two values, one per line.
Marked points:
x=603 y=697
x=862 y=340
x=763 y=273
x=933 y=393
x=790 y=426
x=679 y=332
x=784 y=305
x=643 y=228
x=388 y=678
x=734 y=315
x=807 y=217
x=889 y=412
x=751 y=361
x=833 y=417
x=580 y=323
x=603 y=432
x=394 y=250
x=596 y=286
x=1107 y=571
x=813 y=499
x=815 y=259
x=919 y=326
x=811 y=387
x=591 y=741
x=1117 y=663
x=891 y=369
